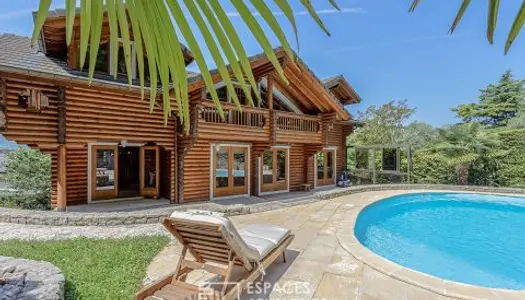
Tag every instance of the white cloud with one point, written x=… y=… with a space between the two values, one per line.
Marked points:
x=15 y=14
x=347 y=10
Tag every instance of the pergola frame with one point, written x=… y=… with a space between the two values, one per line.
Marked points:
x=371 y=160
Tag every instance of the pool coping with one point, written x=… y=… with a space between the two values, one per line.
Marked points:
x=439 y=286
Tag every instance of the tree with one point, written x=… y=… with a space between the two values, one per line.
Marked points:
x=383 y=124
x=29 y=172
x=158 y=23
x=498 y=103
x=418 y=135
x=462 y=144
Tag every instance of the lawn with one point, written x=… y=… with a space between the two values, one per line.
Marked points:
x=94 y=268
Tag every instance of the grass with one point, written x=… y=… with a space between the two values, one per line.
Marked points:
x=94 y=268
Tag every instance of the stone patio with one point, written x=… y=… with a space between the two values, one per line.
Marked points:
x=319 y=265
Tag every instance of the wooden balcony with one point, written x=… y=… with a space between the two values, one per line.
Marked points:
x=250 y=125
x=295 y=128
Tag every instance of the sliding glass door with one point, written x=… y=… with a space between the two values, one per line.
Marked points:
x=230 y=171
x=274 y=170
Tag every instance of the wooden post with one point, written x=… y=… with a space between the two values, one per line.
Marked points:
x=273 y=121
x=3 y=104
x=61 y=150
x=61 y=179
x=61 y=106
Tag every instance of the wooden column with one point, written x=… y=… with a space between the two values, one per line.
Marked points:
x=61 y=179
x=3 y=104
x=175 y=161
x=273 y=120
x=62 y=151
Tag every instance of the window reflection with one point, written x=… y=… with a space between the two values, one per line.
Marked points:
x=238 y=168
x=268 y=167
x=105 y=169
x=221 y=172
x=281 y=165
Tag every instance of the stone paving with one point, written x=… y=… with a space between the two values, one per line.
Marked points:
x=319 y=265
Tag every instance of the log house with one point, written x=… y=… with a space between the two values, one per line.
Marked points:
x=105 y=145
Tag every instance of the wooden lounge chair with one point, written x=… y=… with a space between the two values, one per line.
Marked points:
x=217 y=247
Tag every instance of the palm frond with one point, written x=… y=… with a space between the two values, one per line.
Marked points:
x=156 y=24
x=459 y=16
x=492 y=20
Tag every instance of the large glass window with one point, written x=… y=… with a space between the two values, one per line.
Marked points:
x=330 y=164
x=150 y=168
x=281 y=165
x=221 y=171
x=268 y=167
x=320 y=165
x=239 y=177
x=105 y=169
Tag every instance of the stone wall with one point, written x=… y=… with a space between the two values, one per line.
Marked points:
x=24 y=279
x=153 y=216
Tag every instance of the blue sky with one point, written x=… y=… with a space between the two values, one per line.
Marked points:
x=384 y=52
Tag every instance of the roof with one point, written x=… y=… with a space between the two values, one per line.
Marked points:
x=342 y=89
x=198 y=77
x=17 y=56
x=59 y=32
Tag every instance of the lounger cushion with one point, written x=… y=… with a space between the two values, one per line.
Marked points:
x=274 y=234
x=235 y=241
x=264 y=238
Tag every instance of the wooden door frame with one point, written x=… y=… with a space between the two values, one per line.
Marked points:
x=334 y=150
x=149 y=192
x=92 y=176
x=212 y=169
x=260 y=163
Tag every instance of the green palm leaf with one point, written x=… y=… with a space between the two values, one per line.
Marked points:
x=459 y=16
x=226 y=48
x=516 y=27
x=492 y=19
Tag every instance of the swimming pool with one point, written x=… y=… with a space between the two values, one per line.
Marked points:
x=476 y=239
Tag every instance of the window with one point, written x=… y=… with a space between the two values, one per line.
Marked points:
x=224 y=95
x=104 y=64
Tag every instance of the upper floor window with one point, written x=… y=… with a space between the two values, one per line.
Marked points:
x=104 y=65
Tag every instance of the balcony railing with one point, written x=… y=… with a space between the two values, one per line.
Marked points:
x=295 y=122
x=250 y=117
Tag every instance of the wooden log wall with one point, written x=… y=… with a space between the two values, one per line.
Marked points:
x=110 y=116
x=92 y=115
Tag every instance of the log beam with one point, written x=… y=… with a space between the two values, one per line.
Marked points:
x=61 y=179
x=3 y=104
x=61 y=105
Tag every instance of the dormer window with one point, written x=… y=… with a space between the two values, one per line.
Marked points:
x=104 y=65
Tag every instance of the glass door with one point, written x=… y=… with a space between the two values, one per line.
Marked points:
x=274 y=170
x=326 y=167
x=104 y=175
x=149 y=171
x=230 y=171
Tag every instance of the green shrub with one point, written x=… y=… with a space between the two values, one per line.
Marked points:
x=511 y=166
x=28 y=172
x=432 y=169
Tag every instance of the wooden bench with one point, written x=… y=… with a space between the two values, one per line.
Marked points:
x=306 y=187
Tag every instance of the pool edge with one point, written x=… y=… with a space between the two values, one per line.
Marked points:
x=441 y=287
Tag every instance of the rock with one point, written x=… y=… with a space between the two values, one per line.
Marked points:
x=24 y=279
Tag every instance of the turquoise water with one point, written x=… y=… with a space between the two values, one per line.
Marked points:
x=470 y=238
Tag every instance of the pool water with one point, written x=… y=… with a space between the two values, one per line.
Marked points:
x=476 y=239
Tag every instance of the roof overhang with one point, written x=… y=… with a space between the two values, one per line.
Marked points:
x=299 y=76
x=342 y=90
